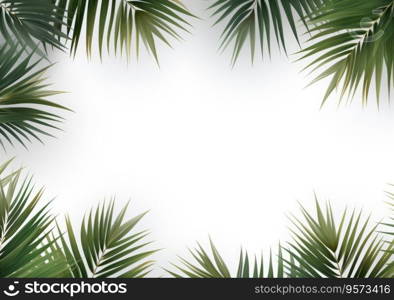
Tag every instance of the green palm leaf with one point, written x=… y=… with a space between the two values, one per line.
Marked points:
x=259 y=20
x=353 y=43
x=322 y=248
x=27 y=246
x=23 y=98
x=31 y=21
x=5 y=179
x=389 y=231
x=123 y=24
x=213 y=266
x=108 y=246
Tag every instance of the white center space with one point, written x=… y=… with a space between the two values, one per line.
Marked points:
x=206 y=148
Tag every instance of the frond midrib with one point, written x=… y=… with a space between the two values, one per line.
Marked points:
x=99 y=261
x=368 y=31
x=9 y=11
x=3 y=233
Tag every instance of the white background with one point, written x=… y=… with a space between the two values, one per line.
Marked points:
x=206 y=148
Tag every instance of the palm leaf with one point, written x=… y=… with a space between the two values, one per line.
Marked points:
x=108 y=246
x=123 y=24
x=323 y=248
x=27 y=246
x=23 y=98
x=353 y=43
x=389 y=231
x=31 y=21
x=213 y=266
x=5 y=179
x=259 y=20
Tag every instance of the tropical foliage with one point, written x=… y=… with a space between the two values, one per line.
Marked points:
x=353 y=42
x=32 y=245
x=347 y=249
x=389 y=231
x=108 y=247
x=321 y=248
x=29 y=27
x=213 y=266
x=24 y=107
x=27 y=247
x=260 y=20
x=123 y=24
x=29 y=22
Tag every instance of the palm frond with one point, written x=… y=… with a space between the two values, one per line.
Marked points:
x=107 y=246
x=213 y=266
x=122 y=24
x=5 y=179
x=323 y=248
x=259 y=20
x=29 y=22
x=27 y=246
x=353 y=44
x=23 y=98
